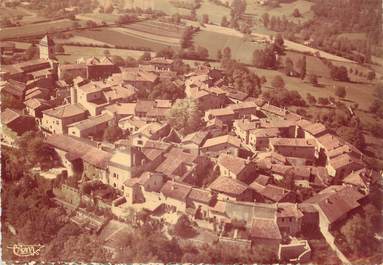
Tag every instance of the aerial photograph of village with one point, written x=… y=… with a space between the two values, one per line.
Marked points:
x=191 y=131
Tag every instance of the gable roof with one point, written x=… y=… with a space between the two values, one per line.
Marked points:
x=77 y=148
x=197 y=138
x=200 y=195
x=224 y=139
x=65 y=111
x=176 y=190
x=265 y=228
x=228 y=185
x=234 y=164
x=336 y=201
x=274 y=193
x=35 y=103
x=8 y=116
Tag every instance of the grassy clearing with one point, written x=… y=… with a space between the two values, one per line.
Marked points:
x=241 y=50
x=356 y=92
x=35 y=29
x=314 y=64
x=168 y=8
x=72 y=53
x=215 y=12
x=6 y=12
x=304 y=7
x=100 y=17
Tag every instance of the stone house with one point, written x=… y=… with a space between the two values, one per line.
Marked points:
x=56 y=120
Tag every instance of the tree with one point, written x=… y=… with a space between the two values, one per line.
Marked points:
x=266 y=19
x=202 y=53
x=32 y=52
x=359 y=232
x=146 y=56
x=265 y=58
x=205 y=19
x=117 y=60
x=296 y=13
x=313 y=79
x=323 y=101
x=278 y=82
x=238 y=7
x=226 y=53
x=112 y=134
x=91 y=24
x=371 y=75
x=339 y=73
x=340 y=91
x=302 y=67
x=59 y=48
x=311 y=99
x=167 y=53
x=278 y=45
x=185 y=116
x=224 y=22
x=183 y=228
x=219 y=54
x=377 y=108
x=130 y=62
x=166 y=90
x=289 y=67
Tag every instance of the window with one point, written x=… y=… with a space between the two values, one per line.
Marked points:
x=140 y=142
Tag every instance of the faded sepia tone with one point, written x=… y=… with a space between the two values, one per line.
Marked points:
x=191 y=131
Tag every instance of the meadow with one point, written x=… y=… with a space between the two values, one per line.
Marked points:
x=256 y=10
x=241 y=50
x=72 y=53
x=35 y=29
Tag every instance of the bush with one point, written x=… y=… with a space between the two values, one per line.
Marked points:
x=278 y=82
x=184 y=228
x=323 y=101
x=340 y=91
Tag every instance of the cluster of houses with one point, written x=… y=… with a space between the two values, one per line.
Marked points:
x=252 y=167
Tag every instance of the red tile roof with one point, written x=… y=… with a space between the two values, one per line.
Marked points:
x=228 y=185
x=265 y=229
x=176 y=190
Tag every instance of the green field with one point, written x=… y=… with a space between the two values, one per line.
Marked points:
x=241 y=50
x=158 y=28
x=314 y=64
x=361 y=93
x=215 y=12
x=166 y=7
x=35 y=29
x=304 y=7
x=6 y=12
x=116 y=38
x=72 y=53
x=100 y=17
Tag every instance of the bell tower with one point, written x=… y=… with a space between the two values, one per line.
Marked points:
x=47 y=47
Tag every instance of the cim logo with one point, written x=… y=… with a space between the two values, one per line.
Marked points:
x=22 y=250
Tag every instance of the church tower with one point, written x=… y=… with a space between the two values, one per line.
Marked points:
x=47 y=47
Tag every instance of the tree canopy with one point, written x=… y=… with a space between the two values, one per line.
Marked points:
x=185 y=116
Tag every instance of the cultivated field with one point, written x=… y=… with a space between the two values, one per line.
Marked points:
x=35 y=29
x=158 y=28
